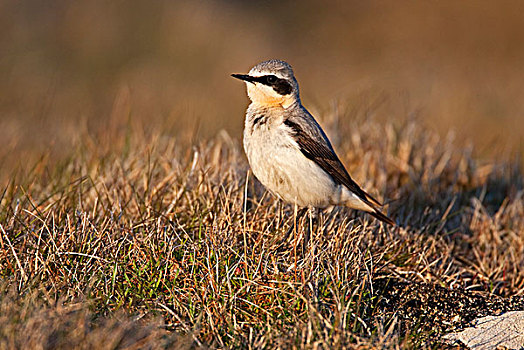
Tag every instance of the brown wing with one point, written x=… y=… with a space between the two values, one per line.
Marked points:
x=324 y=156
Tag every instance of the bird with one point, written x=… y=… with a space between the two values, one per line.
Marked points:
x=288 y=151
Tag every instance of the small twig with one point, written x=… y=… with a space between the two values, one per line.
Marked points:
x=83 y=254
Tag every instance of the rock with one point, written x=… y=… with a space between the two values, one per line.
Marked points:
x=491 y=332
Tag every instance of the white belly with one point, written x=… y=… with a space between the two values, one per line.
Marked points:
x=279 y=165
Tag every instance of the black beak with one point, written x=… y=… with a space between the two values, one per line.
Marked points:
x=244 y=77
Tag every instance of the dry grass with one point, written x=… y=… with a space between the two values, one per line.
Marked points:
x=27 y=323
x=155 y=226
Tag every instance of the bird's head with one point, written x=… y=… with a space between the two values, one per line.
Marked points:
x=271 y=83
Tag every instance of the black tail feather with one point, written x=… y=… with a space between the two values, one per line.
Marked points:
x=382 y=217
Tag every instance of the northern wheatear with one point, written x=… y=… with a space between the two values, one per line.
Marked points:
x=289 y=152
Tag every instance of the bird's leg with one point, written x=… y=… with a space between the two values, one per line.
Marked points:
x=297 y=215
x=330 y=219
x=280 y=213
x=308 y=230
x=294 y=223
x=313 y=217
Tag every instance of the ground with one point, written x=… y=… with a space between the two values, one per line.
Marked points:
x=154 y=242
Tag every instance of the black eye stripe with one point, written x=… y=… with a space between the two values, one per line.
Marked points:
x=281 y=86
x=271 y=79
x=267 y=79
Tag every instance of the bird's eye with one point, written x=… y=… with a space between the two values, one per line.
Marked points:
x=271 y=79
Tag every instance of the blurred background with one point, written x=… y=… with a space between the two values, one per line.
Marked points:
x=71 y=68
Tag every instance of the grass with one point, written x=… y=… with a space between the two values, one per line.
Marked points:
x=181 y=236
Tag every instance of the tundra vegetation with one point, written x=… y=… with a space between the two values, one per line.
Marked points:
x=146 y=240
